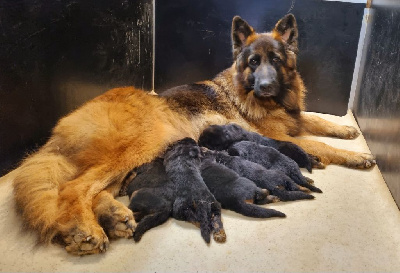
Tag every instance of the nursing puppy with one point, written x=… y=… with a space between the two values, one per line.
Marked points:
x=271 y=159
x=152 y=196
x=221 y=137
x=275 y=181
x=194 y=201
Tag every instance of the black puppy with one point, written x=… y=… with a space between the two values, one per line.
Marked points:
x=271 y=159
x=275 y=181
x=194 y=202
x=234 y=192
x=221 y=137
x=152 y=197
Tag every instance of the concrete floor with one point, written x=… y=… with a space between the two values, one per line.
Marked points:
x=354 y=226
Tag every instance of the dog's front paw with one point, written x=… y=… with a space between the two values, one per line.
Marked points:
x=362 y=161
x=349 y=132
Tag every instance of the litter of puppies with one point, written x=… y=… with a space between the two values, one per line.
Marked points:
x=231 y=168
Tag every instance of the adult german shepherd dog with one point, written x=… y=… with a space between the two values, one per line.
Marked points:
x=69 y=183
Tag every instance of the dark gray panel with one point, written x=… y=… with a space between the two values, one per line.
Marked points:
x=54 y=55
x=377 y=107
x=193 y=43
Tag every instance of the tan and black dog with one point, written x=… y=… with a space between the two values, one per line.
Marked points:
x=68 y=184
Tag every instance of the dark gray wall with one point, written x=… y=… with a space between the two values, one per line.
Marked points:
x=55 y=55
x=193 y=42
x=377 y=101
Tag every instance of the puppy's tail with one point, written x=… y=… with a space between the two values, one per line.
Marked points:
x=151 y=221
x=255 y=211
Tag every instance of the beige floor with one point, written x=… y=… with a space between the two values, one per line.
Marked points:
x=353 y=226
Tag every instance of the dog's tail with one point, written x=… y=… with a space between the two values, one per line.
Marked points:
x=36 y=190
x=151 y=221
x=255 y=211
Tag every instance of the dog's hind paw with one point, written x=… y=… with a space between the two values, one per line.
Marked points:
x=219 y=234
x=117 y=221
x=86 y=240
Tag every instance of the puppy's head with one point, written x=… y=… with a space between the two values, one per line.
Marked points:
x=220 y=137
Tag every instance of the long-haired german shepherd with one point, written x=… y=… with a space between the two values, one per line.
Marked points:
x=68 y=184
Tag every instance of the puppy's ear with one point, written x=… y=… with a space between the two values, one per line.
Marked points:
x=241 y=30
x=286 y=30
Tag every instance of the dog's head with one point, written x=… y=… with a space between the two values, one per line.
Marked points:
x=220 y=137
x=266 y=62
x=185 y=148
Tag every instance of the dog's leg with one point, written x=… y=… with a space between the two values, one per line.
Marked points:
x=330 y=155
x=320 y=127
x=76 y=224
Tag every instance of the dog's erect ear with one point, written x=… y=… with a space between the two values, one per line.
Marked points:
x=241 y=30
x=286 y=29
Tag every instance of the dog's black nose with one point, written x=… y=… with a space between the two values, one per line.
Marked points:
x=265 y=86
x=266 y=89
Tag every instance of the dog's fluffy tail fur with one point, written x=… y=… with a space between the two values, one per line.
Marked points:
x=252 y=210
x=36 y=187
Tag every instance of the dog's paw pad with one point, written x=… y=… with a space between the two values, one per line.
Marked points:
x=220 y=236
x=86 y=241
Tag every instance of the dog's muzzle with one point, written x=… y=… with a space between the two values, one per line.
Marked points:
x=266 y=90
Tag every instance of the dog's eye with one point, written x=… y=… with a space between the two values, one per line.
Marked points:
x=276 y=60
x=254 y=61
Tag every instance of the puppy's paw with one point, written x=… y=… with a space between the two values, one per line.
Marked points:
x=219 y=234
x=273 y=199
x=316 y=162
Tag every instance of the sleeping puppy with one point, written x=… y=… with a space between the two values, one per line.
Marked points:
x=275 y=181
x=194 y=202
x=234 y=192
x=152 y=196
x=271 y=159
x=221 y=137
